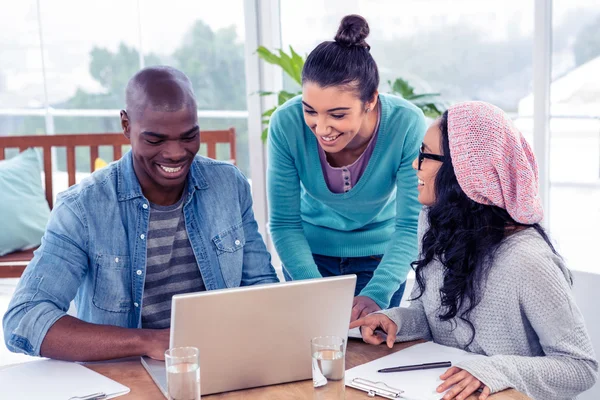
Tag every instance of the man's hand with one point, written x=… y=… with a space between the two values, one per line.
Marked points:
x=157 y=343
x=368 y=325
x=69 y=339
x=463 y=385
x=363 y=306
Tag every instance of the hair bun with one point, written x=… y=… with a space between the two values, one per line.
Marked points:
x=353 y=31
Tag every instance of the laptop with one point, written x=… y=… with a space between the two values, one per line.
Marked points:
x=257 y=335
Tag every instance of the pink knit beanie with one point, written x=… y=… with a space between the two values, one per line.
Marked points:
x=493 y=163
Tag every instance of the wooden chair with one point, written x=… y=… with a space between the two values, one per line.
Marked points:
x=12 y=265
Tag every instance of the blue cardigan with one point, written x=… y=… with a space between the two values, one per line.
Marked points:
x=377 y=216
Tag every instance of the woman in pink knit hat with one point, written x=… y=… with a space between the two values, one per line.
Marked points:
x=488 y=279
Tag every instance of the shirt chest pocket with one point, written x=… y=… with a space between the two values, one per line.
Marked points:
x=112 y=284
x=229 y=246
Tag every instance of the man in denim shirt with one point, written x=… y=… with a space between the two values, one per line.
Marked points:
x=97 y=248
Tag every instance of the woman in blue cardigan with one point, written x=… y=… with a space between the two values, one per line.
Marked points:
x=342 y=193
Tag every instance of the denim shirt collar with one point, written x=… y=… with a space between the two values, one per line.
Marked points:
x=128 y=186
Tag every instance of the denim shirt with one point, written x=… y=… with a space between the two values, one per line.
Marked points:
x=94 y=249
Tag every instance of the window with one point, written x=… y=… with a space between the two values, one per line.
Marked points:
x=21 y=77
x=575 y=132
x=91 y=49
x=207 y=43
x=466 y=50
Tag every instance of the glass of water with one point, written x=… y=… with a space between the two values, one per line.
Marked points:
x=183 y=373
x=328 y=367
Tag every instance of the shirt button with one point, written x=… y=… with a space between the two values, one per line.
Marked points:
x=116 y=259
x=237 y=242
x=142 y=236
x=139 y=272
x=145 y=206
x=136 y=304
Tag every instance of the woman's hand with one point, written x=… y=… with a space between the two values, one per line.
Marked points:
x=363 y=306
x=372 y=327
x=464 y=383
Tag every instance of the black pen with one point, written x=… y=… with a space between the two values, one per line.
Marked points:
x=443 y=364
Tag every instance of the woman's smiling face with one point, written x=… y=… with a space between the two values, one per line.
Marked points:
x=432 y=144
x=333 y=114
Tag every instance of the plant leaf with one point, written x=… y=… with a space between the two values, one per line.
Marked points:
x=423 y=95
x=285 y=96
x=291 y=64
x=287 y=64
x=265 y=134
x=402 y=88
x=266 y=55
x=298 y=63
x=430 y=110
x=269 y=112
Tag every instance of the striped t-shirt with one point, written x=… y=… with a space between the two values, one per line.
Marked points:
x=171 y=265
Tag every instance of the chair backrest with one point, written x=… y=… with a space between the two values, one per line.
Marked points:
x=587 y=296
x=94 y=141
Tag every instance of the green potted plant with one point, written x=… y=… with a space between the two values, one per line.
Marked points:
x=293 y=63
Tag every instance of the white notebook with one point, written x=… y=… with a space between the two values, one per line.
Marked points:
x=55 y=380
x=409 y=385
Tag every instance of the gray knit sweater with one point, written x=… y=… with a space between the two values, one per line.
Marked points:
x=527 y=323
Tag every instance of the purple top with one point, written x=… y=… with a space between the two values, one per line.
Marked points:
x=342 y=179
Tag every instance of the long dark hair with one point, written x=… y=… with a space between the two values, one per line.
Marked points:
x=464 y=236
x=345 y=61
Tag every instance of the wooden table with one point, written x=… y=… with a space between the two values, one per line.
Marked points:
x=134 y=376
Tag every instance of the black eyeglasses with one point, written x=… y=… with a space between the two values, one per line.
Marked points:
x=430 y=156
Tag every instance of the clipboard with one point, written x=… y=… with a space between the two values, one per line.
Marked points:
x=409 y=385
x=56 y=380
x=373 y=389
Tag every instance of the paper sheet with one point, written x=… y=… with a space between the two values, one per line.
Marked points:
x=55 y=380
x=417 y=385
x=354 y=333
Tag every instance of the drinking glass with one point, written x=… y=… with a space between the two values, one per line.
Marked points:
x=183 y=373
x=328 y=367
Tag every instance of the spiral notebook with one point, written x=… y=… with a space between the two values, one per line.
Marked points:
x=410 y=385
